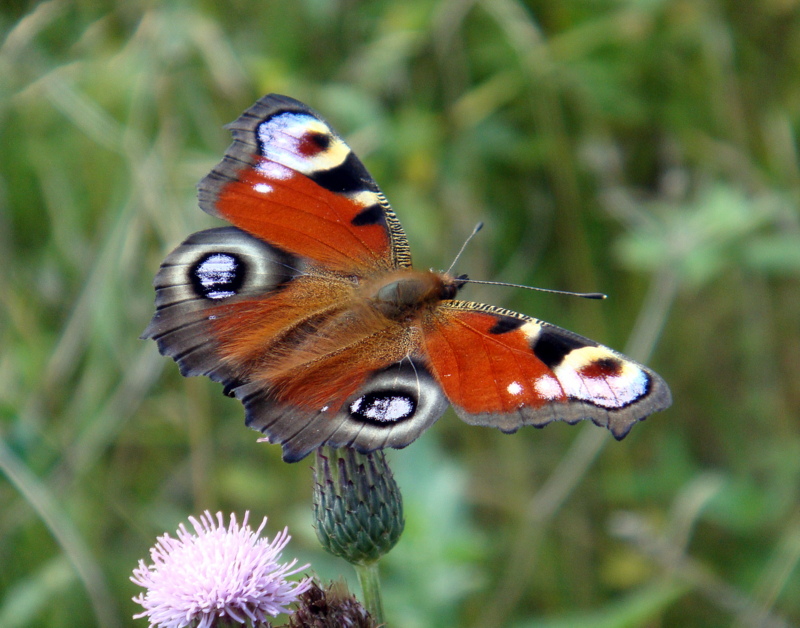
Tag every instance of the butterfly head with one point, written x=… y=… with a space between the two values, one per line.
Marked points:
x=458 y=283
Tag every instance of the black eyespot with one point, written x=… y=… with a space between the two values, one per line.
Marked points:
x=383 y=407
x=323 y=140
x=218 y=276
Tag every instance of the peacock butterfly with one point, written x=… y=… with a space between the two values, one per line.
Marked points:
x=309 y=312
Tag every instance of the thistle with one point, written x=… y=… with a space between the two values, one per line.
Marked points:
x=359 y=513
x=217 y=576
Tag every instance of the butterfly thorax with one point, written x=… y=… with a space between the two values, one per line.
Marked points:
x=403 y=294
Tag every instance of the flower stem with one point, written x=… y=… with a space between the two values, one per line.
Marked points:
x=371 y=589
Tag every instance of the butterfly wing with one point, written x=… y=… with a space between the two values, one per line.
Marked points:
x=503 y=369
x=206 y=291
x=266 y=306
x=390 y=406
x=289 y=179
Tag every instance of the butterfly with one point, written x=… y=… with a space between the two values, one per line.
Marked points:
x=309 y=311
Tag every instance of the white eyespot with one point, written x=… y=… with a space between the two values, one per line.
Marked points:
x=215 y=273
x=383 y=409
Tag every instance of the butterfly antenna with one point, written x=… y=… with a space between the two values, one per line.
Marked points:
x=477 y=228
x=583 y=295
x=463 y=279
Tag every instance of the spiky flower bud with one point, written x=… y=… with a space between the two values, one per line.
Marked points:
x=357 y=504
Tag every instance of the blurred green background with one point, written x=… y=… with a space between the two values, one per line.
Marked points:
x=643 y=148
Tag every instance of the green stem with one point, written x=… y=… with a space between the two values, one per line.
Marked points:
x=371 y=589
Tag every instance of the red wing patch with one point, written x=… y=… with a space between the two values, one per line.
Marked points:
x=295 y=214
x=481 y=371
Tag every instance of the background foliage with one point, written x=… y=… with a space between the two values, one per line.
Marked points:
x=644 y=148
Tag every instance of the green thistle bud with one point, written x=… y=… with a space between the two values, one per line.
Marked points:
x=357 y=504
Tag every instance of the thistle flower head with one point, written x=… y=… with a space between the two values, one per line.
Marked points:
x=357 y=504
x=216 y=573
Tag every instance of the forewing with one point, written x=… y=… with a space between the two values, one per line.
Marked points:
x=289 y=179
x=505 y=370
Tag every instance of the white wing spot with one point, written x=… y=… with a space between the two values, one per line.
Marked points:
x=263 y=188
x=272 y=170
x=365 y=198
x=514 y=388
x=531 y=330
x=548 y=387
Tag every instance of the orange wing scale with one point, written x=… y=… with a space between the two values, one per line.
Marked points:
x=482 y=372
x=303 y=218
x=304 y=345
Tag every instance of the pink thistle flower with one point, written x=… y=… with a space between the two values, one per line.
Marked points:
x=216 y=573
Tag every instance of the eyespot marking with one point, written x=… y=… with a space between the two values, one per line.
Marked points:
x=591 y=374
x=300 y=142
x=218 y=276
x=383 y=407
